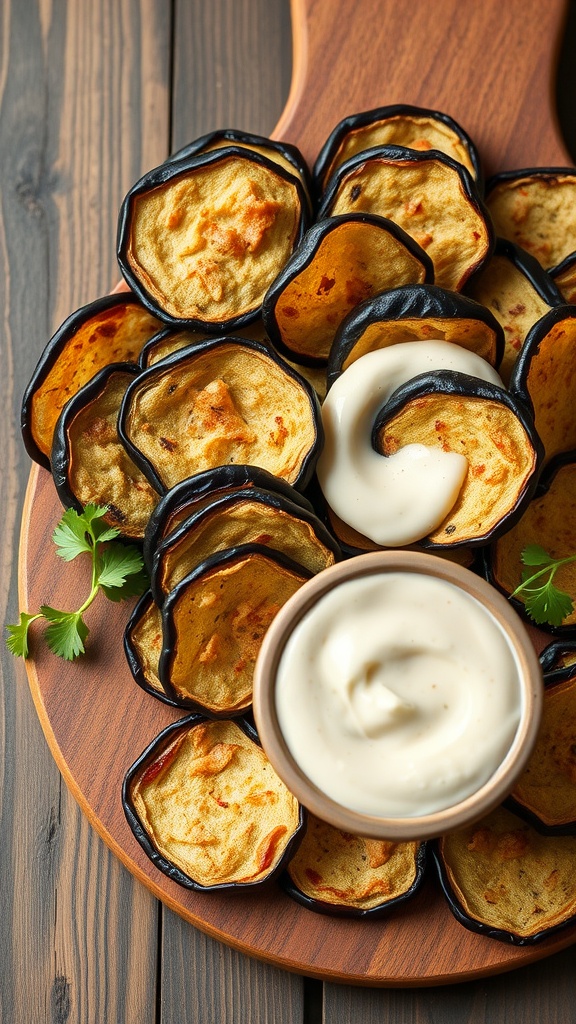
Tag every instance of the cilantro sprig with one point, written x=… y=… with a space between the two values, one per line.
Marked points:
x=545 y=603
x=117 y=570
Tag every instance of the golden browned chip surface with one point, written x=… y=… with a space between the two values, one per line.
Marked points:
x=215 y=625
x=473 y=335
x=501 y=457
x=213 y=806
x=427 y=199
x=547 y=787
x=549 y=520
x=114 y=335
x=538 y=212
x=146 y=641
x=227 y=404
x=507 y=876
x=174 y=341
x=206 y=244
x=551 y=384
x=346 y=870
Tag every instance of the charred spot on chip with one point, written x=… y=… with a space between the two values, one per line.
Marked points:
x=208 y=809
x=201 y=239
x=398 y=125
x=515 y=288
x=89 y=462
x=543 y=375
x=142 y=647
x=213 y=624
x=504 y=879
x=486 y=425
x=341 y=262
x=432 y=197
x=549 y=520
x=336 y=873
x=536 y=208
x=236 y=402
x=113 y=329
x=416 y=312
x=244 y=516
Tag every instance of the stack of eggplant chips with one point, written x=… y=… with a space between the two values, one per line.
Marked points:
x=225 y=550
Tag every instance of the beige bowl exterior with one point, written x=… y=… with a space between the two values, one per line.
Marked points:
x=411 y=828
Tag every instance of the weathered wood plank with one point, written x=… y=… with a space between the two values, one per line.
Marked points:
x=84 y=109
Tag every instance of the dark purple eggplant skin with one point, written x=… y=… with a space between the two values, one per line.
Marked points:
x=270 y=498
x=60 y=457
x=201 y=347
x=50 y=355
x=533 y=271
x=131 y=656
x=511 y=938
x=554 y=673
x=451 y=382
x=160 y=176
x=372 y=913
x=200 y=485
x=536 y=334
x=215 y=561
x=366 y=117
x=566 y=264
x=303 y=256
x=408 y=302
x=543 y=485
x=140 y=834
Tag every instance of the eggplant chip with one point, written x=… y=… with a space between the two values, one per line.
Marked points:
x=334 y=872
x=340 y=262
x=544 y=375
x=399 y=125
x=89 y=461
x=503 y=879
x=201 y=239
x=143 y=646
x=545 y=793
x=249 y=516
x=558 y=660
x=221 y=401
x=549 y=521
x=516 y=289
x=415 y=313
x=168 y=341
x=112 y=329
x=214 y=622
x=429 y=195
x=564 y=277
x=495 y=433
x=536 y=208
x=208 y=808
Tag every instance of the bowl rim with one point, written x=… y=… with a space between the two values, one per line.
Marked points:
x=427 y=826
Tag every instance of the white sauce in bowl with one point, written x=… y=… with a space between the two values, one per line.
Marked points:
x=398 y=694
x=397 y=499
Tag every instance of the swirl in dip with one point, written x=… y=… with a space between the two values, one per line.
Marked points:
x=398 y=694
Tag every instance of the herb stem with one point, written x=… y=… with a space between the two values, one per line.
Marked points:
x=550 y=569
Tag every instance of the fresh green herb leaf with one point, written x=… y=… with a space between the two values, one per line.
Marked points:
x=17 y=639
x=545 y=603
x=548 y=605
x=70 y=536
x=117 y=563
x=66 y=633
x=135 y=585
x=533 y=554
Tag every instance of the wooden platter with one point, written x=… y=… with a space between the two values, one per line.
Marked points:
x=490 y=66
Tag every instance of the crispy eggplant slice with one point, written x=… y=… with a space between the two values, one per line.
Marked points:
x=536 y=208
x=194 y=493
x=398 y=125
x=89 y=461
x=168 y=341
x=415 y=313
x=564 y=277
x=201 y=239
x=208 y=808
x=503 y=879
x=550 y=521
x=341 y=262
x=213 y=624
x=544 y=375
x=494 y=431
x=221 y=401
x=143 y=645
x=112 y=329
x=545 y=794
x=558 y=660
x=250 y=516
x=336 y=873
x=429 y=195
x=516 y=289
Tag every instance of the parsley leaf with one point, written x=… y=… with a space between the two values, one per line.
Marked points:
x=116 y=563
x=66 y=633
x=70 y=536
x=17 y=639
x=545 y=603
x=533 y=554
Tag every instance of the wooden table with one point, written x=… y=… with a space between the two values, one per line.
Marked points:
x=94 y=92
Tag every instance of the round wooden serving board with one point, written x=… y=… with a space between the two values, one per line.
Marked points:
x=491 y=66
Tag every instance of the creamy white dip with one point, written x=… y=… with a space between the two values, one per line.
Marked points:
x=398 y=694
x=397 y=499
